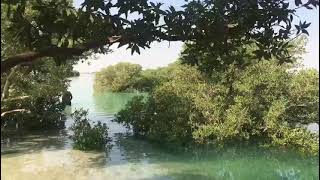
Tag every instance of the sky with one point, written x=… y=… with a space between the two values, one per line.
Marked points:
x=163 y=53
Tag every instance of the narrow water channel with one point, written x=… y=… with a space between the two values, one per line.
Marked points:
x=49 y=155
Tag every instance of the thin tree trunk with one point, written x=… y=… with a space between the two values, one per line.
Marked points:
x=5 y=91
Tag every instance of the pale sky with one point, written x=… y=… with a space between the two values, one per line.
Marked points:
x=163 y=53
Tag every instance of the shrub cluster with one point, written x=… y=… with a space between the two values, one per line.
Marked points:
x=38 y=93
x=88 y=136
x=130 y=77
x=119 y=77
x=262 y=103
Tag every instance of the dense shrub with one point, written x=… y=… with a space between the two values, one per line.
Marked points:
x=146 y=80
x=129 y=77
x=118 y=77
x=74 y=74
x=263 y=97
x=261 y=103
x=38 y=93
x=164 y=116
x=304 y=97
x=88 y=136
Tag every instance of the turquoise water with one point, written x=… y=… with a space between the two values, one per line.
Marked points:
x=49 y=155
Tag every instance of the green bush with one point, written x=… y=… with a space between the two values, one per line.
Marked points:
x=146 y=81
x=74 y=73
x=260 y=103
x=119 y=77
x=38 y=93
x=130 y=77
x=304 y=97
x=134 y=115
x=151 y=78
x=260 y=110
x=164 y=115
x=86 y=136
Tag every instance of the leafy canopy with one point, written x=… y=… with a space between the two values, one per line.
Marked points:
x=223 y=24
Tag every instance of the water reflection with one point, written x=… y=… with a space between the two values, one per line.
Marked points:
x=111 y=103
x=33 y=142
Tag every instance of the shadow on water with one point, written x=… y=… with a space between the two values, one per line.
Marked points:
x=28 y=142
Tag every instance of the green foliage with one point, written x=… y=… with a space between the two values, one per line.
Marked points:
x=75 y=73
x=261 y=109
x=209 y=61
x=38 y=92
x=150 y=78
x=134 y=115
x=230 y=28
x=86 y=136
x=260 y=103
x=243 y=100
x=164 y=115
x=130 y=77
x=34 y=90
x=304 y=96
x=146 y=80
x=118 y=77
x=225 y=25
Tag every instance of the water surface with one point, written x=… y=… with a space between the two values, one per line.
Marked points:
x=49 y=155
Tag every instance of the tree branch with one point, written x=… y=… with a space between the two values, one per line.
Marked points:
x=5 y=91
x=15 y=98
x=31 y=56
x=14 y=111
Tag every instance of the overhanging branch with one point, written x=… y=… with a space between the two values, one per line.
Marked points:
x=31 y=56
x=14 y=111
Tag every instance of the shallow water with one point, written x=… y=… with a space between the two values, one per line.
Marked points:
x=49 y=155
